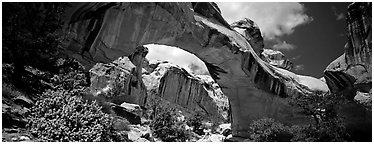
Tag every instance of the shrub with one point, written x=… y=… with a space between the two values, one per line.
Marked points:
x=196 y=123
x=267 y=130
x=329 y=125
x=61 y=116
x=71 y=75
x=167 y=127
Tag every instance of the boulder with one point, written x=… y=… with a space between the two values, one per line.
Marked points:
x=118 y=81
x=127 y=114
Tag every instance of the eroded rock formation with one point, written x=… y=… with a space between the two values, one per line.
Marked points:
x=276 y=58
x=353 y=69
x=103 y=32
x=160 y=80
x=251 y=31
x=350 y=74
x=120 y=76
x=195 y=94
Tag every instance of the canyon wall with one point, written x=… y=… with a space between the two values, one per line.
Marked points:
x=350 y=75
x=176 y=85
x=102 y=32
x=119 y=83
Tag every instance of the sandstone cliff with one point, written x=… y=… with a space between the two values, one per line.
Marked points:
x=251 y=31
x=276 y=58
x=195 y=94
x=119 y=76
x=160 y=80
x=255 y=89
x=350 y=74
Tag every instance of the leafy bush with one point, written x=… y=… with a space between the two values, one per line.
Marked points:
x=116 y=93
x=61 y=116
x=168 y=128
x=195 y=122
x=329 y=125
x=267 y=130
x=71 y=75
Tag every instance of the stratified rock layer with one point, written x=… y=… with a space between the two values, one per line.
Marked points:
x=103 y=32
x=121 y=76
x=352 y=70
x=276 y=58
x=251 y=31
x=350 y=74
x=176 y=85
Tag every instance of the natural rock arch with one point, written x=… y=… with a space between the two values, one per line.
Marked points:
x=102 y=32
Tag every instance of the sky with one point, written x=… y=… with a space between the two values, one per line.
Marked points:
x=311 y=35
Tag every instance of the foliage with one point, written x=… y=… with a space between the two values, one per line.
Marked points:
x=31 y=35
x=30 y=28
x=267 y=130
x=328 y=126
x=168 y=128
x=196 y=123
x=116 y=93
x=71 y=75
x=63 y=116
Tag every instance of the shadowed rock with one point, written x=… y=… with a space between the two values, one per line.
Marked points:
x=254 y=88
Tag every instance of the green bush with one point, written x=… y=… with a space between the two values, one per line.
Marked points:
x=168 y=128
x=61 y=116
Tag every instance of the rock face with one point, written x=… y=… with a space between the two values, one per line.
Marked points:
x=120 y=76
x=353 y=69
x=251 y=32
x=161 y=80
x=176 y=85
x=105 y=31
x=350 y=74
x=276 y=58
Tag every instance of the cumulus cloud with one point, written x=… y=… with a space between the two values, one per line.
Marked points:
x=176 y=56
x=283 y=46
x=299 y=67
x=339 y=16
x=274 y=19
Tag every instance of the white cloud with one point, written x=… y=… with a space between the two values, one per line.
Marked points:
x=299 y=67
x=176 y=56
x=283 y=46
x=274 y=19
x=339 y=16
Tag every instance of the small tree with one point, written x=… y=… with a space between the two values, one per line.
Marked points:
x=196 y=123
x=62 y=116
x=329 y=125
x=31 y=31
x=168 y=128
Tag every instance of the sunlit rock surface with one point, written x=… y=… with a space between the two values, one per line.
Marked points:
x=350 y=74
x=276 y=58
x=353 y=69
x=255 y=89
x=118 y=74
x=196 y=94
x=251 y=31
